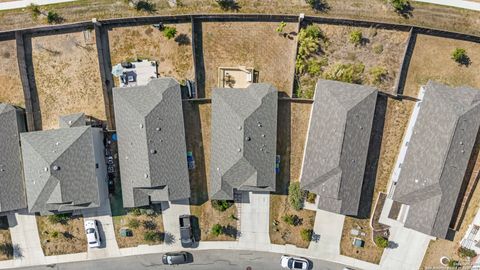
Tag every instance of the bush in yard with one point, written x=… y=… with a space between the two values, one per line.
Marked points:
x=53 y=17
x=149 y=225
x=466 y=252
x=295 y=196
x=381 y=242
x=378 y=74
x=217 y=229
x=136 y=212
x=169 y=32
x=55 y=234
x=318 y=5
x=34 y=10
x=292 y=220
x=315 y=66
x=281 y=27
x=350 y=73
x=145 y=6
x=400 y=6
x=311 y=197
x=306 y=234
x=6 y=249
x=151 y=236
x=453 y=263
x=221 y=205
x=228 y=5
x=460 y=56
x=356 y=37
x=133 y=223
x=58 y=218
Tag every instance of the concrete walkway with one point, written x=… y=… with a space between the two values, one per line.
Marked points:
x=25 y=3
x=454 y=3
x=254 y=219
x=170 y=213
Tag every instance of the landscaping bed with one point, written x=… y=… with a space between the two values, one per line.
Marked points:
x=144 y=226
x=6 y=247
x=292 y=125
x=62 y=235
x=432 y=60
x=67 y=76
x=367 y=56
x=197 y=117
x=249 y=44
x=11 y=90
x=173 y=55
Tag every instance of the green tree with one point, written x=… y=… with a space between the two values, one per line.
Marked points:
x=169 y=32
x=356 y=37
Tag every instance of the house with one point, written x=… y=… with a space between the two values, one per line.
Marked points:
x=244 y=139
x=72 y=120
x=12 y=187
x=64 y=169
x=337 y=145
x=430 y=182
x=151 y=143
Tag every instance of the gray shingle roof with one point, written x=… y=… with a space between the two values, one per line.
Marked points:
x=438 y=154
x=244 y=138
x=151 y=141
x=12 y=188
x=72 y=120
x=60 y=169
x=337 y=144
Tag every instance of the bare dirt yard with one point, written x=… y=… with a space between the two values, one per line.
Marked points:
x=432 y=60
x=67 y=76
x=6 y=247
x=197 y=119
x=249 y=44
x=66 y=237
x=397 y=114
x=374 y=57
x=292 y=125
x=174 y=56
x=145 y=225
x=11 y=90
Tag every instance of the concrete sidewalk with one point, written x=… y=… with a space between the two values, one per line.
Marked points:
x=26 y=3
x=170 y=213
x=454 y=3
x=254 y=220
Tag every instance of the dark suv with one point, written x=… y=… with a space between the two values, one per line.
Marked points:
x=186 y=234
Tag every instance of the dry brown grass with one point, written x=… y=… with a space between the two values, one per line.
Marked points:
x=431 y=60
x=174 y=58
x=396 y=119
x=11 y=90
x=198 y=122
x=292 y=125
x=249 y=44
x=67 y=77
x=6 y=248
x=138 y=233
x=379 y=49
x=71 y=236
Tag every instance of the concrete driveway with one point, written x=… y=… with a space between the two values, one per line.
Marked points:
x=170 y=213
x=106 y=230
x=327 y=232
x=254 y=211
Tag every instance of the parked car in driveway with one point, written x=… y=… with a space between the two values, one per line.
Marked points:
x=172 y=258
x=289 y=262
x=93 y=237
x=186 y=234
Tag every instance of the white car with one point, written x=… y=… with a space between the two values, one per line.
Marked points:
x=93 y=238
x=289 y=262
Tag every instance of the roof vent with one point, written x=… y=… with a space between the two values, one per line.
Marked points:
x=55 y=168
x=70 y=122
x=145 y=175
x=461 y=143
x=259 y=125
x=45 y=169
x=239 y=149
x=158 y=129
x=416 y=180
x=2 y=170
x=153 y=151
x=57 y=143
x=239 y=127
x=126 y=157
x=248 y=139
x=263 y=135
x=141 y=125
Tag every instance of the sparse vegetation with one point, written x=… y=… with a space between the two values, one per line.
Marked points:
x=356 y=37
x=381 y=242
x=378 y=48
x=221 y=205
x=55 y=234
x=306 y=234
x=466 y=252
x=378 y=74
x=292 y=220
x=152 y=236
x=133 y=223
x=59 y=218
x=399 y=6
x=350 y=73
x=145 y=6
x=281 y=27
x=228 y=5
x=34 y=10
x=318 y=5
x=53 y=17
x=453 y=264
x=217 y=229
x=135 y=212
x=295 y=196
x=169 y=32
x=311 y=197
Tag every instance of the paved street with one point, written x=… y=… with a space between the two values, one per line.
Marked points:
x=203 y=260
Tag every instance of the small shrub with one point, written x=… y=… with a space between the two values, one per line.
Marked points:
x=6 y=249
x=306 y=234
x=281 y=27
x=378 y=48
x=318 y=5
x=311 y=197
x=34 y=10
x=233 y=217
x=149 y=225
x=55 y=234
x=228 y=5
x=350 y=73
x=145 y=6
x=136 y=212
x=378 y=74
x=53 y=17
x=151 y=236
x=453 y=263
x=217 y=229
x=295 y=196
x=466 y=252
x=400 y=6
x=292 y=220
x=221 y=205
x=315 y=66
x=381 y=242
x=169 y=32
x=356 y=37
x=133 y=223
x=460 y=56
x=59 y=218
